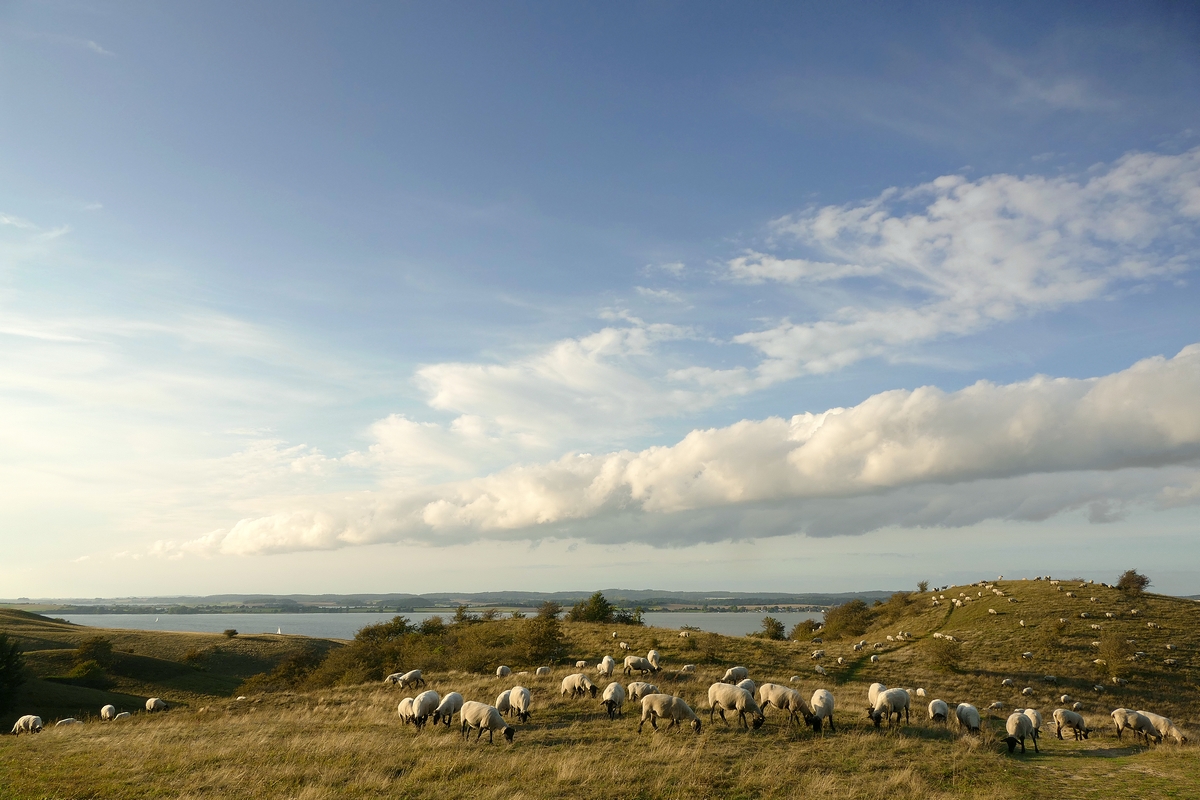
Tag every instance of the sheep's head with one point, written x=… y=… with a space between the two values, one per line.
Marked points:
x=592 y=689
x=1011 y=741
x=758 y=722
x=813 y=722
x=508 y=733
x=696 y=725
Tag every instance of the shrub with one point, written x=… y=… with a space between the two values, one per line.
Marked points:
x=12 y=671
x=230 y=633
x=945 y=654
x=97 y=649
x=851 y=618
x=461 y=617
x=194 y=656
x=922 y=586
x=90 y=674
x=710 y=645
x=595 y=609
x=543 y=636
x=624 y=616
x=1116 y=651
x=771 y=629
x=288 y=673
x=804 y=629
x=1132 y=582
x=490 y=615
x=518 y=614
x=433 y=626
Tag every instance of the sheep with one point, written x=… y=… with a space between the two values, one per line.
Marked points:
x=122 y=715
x=1069 y=719
x=155 y=704
x=920 y=692
x=502 y=702
x=606 y=666
x=1170 y=662
x=795 y=679
x=1021 y=623
x=503 y=671
x=638 y=689
x=817 y=654
x=654 y=660
x=735 y=674
x=1035 y=717
x=1140 y=724
x=722 y=697
x=1070 y=594
x=939 y=711
x=1077 y=706
x=1008 y=682
x=669 y=707
x=890 y=701
x=29 y=723
x=873 y=692
x=613 y=700
x=684 y=634
x=423 y=706
x=1027 y=691
x=840 y=661
x=404 y=710
x=67 y=721
x=638 y=663
x=1027 y=655
x=577 y=684
x=1066 y=698
x=481 y=717
x=992 y=611
x=108 y=712
x=822 y=704
x=1171 y=647
x=858 y=646
x=581 y=665
x=821 y=670
x=688 y=669
x=411 y=678
x=874 y=659
x=1019 y=728
x=542 y=672
x=623 y=645
x=451 y=704
x=394 y=678
x=614 y=634
x=747 y=684
x=1095 y=627
x=1164 y=726
x=1085 y=615
x=1110 y=615
x=785 y=699
x=520 y=699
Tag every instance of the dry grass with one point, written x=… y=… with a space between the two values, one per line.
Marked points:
x=348 y=742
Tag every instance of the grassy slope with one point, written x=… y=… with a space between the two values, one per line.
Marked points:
x=346 y=742
x=146 y=664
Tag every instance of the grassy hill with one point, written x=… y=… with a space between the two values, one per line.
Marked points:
x=347 y=742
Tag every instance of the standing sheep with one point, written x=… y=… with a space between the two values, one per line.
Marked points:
x=155 y=704
x=968 y=717
x=542 y=672
x=640 y=664
x=637 y=690
x=1019 y=728
x=939 y=711
x=735 y=674
x=502 y=703
x=411 y=678
x=613 y=700
x=655 y=660
x=450 y=705
x=577 y=685
x=1140 y=724
x=108 y=712
x=822 y=708
x=873 y=692
x=581 y=664
x=1064 y=718
x=27 y=724
x=606 y=666
x=722 y=697
x=481 y=717
x=748 y=685
x=520 y=699
x=890 y=701
x=404 y=710
x=1164 y=726
x=785 y=699
x=503 y=671
x=665 y=706
x=423 y=706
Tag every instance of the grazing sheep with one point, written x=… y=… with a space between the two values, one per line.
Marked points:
x=451 y=704
x=623 y=645
x=1027 y=655
x=614 y=634
x=873 y=692
x=411 y=678
x=613 y=700
x=722 y=697
x=481 y=717
x=939 y=711
x=785 y=699
x=1019 y=728
x=606 y=666
x=423 y=706
x=817 y=654
x=747 y=684
x=1069 y=719
x=27 y=724
x=858 y=646
x=1170 y=647
x=107 y=713
x=544 y=671
x=502 y=703
x=684 y=634
x=155 y=704
x=654 y=659
x=68 y=721
x=404 y=710
x=1110 y=615
x=1035 y=718
x=822 y=708
x=577 y=685
x=1077 y=706
x=1008 y=682
x=503 y=671
x=874 y=660
x=665 y=706
x=688 y=669
x=637 y=690
x=840 y=661
x=821 y=670
x=581 y=665
x=992 y=611
x=996 y=706
x=1085 y=615
x=890 y=701
x=122 y=715
x=394 y=678
x=520 y=699
x=795 y=679
x=735 y=674
x=1027 y=691
x=1066 y=698
x=1164 y=726
x=920 y=692
x=1140 y=724
x=1095 y=627
x=638 y=663
x=1170 y=662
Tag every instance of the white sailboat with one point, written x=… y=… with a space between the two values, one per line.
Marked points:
x=279 y=631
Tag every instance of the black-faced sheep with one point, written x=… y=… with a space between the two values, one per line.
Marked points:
x=665 y=706
x=722 y=697
x=481 y=717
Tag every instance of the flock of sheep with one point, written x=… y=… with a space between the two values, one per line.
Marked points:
x=31 y=723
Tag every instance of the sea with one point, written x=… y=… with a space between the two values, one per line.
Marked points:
x=344 y=626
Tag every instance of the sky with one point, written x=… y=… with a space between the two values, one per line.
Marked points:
x=305 y=297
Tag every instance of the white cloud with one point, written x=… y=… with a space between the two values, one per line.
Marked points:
x=658 y=294
x=1026 y=450
x=754 y=267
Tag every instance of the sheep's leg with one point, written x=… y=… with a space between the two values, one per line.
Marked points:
x=1058 y=730
x=1035 y=746
x=831 y=728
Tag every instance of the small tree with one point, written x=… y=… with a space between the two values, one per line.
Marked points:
x=1132 y=582
x=804 y=629
x=849 y=619
x=95 y=648
x=12 y=671
x=771 y=629
x=489 y=615
x=461 y=617
x=543 y=641
x=922 y=586
x=549 y=609
x=595 y=609
x=518 y=614
x=230 y=633
x=433 y=626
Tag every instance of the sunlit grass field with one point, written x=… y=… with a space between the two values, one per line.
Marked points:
x=348 y=741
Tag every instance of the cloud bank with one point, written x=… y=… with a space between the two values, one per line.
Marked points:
x=1024 y=450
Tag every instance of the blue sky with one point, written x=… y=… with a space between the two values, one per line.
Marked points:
x=296 y=297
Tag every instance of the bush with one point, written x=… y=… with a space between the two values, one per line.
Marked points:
x=710 y=645
x=230 y=633
x=945 y=654
x=461 y=617
x=922 y=586
x=804 y=629
x=288 y=673
x=543 y=636
x=90 y=674
x=624 y=616
x=12 y=672
x=195 y=655
x=1132 y=582
x=851 y=618
x=97 y=649
x=433 y=626
x=1116 y=651
x=595 y=609
x=490 y=615
x=771 y=629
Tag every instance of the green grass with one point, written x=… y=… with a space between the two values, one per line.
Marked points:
x=347 y=742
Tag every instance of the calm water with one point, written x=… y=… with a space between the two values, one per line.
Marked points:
x=344 y=626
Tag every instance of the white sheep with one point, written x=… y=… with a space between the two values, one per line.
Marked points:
x=1027 y=655
x=1140 y=724
x=1035 y=719
x=577 y=685
x=967 y=716
x=873 y=692
x=939 y=711
x=451 y=704
x=1008 y=682
x=1066 y=698
x=684 y=634
x=1164 y=726
x=394 y=678
x=1069 y=719
x=665 y=706
x=688 y=669
x=820 y=670
x=29 y=723
x=107 y=713
x=542 y=672
x=996 y=706
x=785 y=699
x=122 y=715
x=481 y=717
x=817 y=655
x=748 y=685
x=502 y=703
x=613 y=699
x=623 y=645
x=404 y=710
x=1027 y=691
x=581 y=664
x=874 y=660
x=1077 y=706
x=1019 y=727
x=822 y=705
x=920 y=692
x=155 y=704
x=503 y=671
x=890 y=701
x=992 y=611
x=67 y=721
x=411 y=678
x=654 y=659
x=735 y=674
x=722 y=697
x=606 y=666
x=423 y=707
x=520 y=699
x=639 y=664
x=639 y=689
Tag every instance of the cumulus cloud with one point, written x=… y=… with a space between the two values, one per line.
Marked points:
x=969 y=254
x=1025 y=450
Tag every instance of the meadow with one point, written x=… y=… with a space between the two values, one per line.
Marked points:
x=346 y=740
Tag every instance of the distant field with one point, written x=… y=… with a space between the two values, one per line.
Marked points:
x=348 y=742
